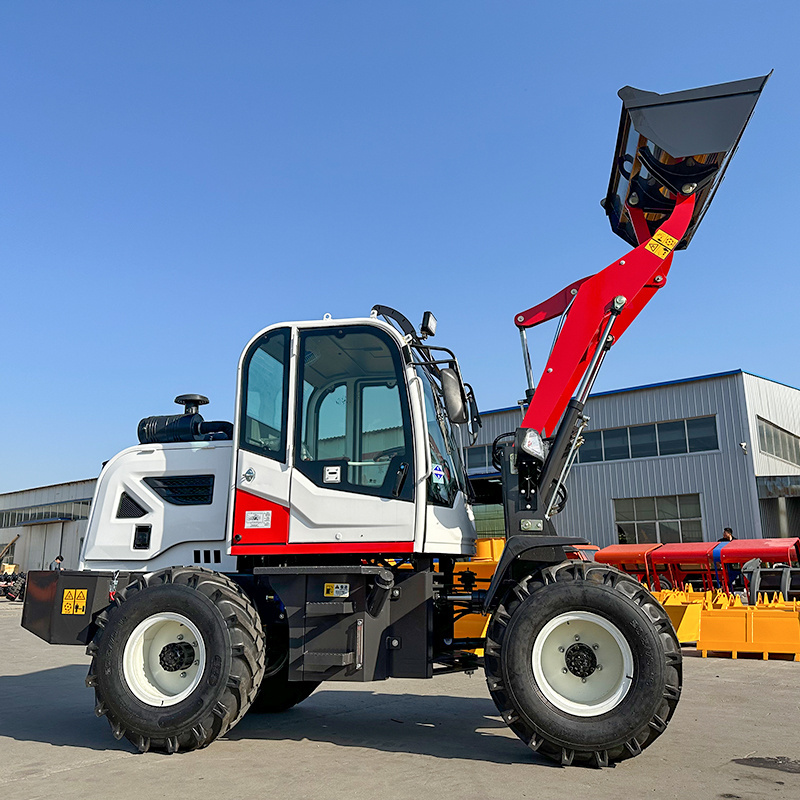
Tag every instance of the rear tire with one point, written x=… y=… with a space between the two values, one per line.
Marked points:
x=177 y=660
x=583 y=664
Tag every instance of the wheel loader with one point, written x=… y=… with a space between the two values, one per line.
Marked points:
x=230 y=568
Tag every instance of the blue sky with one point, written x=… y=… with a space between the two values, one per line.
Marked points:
x=178 y=175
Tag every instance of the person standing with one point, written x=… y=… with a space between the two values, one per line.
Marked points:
x=57 y=562
x=727 y=535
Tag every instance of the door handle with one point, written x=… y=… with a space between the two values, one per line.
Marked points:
x=400 y=479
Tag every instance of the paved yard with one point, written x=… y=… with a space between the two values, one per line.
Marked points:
x=736 y=734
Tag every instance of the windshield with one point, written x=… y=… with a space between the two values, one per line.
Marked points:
x=448 y=475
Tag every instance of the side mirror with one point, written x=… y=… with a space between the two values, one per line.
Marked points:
x=477 y=422
x=455 y=400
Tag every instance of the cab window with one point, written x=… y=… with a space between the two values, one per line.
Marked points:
x=265 y=390
x=447 y=471
x=354 y=431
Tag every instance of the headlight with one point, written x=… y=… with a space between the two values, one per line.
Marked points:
x=531 y=442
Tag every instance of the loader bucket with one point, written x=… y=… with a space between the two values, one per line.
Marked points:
x=675 y=144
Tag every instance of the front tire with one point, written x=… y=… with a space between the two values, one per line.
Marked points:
x=583 y=664
x=177 y=660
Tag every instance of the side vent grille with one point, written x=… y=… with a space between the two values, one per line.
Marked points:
x=208 y=556
x=129 y=508
x=184 y=490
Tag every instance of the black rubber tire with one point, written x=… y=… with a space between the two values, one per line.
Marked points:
x=17 y=590
x=638 y=718
x=234 y=640
x=277 y=693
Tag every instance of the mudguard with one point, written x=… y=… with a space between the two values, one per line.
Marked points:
x=531 y=550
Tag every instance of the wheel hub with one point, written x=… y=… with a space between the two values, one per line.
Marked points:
x=164 y=659
x=580 y=660
x=582 y=663
x=176 y=656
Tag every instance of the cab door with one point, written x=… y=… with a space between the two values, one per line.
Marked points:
x=352 y=481
x=262 y=472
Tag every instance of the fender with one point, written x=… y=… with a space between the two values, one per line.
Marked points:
x=528 y=549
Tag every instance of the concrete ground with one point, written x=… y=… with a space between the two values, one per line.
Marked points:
x=736 y=734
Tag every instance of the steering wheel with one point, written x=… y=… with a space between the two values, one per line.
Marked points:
x=389 y=453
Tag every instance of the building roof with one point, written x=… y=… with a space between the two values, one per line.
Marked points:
x=658 y=385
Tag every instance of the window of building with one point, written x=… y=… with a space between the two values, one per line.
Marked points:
x=656 y=439
x=592 y=448
x=671 y=438
x=775 y=441
x=653 y=520
x=615 y=444
x=643 y=441
x=65 y=512
x=478 y=458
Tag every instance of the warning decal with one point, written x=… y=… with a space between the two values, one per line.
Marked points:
x=257 y=519
x=337 y=590
x=74 y=601
x=662 y=244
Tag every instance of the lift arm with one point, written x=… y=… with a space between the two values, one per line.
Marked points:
x=636 y=277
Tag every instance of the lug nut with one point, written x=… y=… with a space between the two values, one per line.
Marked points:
x=595 y=647
x=577 y=638
x=564 y=670
x=583 y=680
x=560 y=649
x=688 y=188
x=599 y=667
x=180 y=637
x=196 y=662
x=183 y=674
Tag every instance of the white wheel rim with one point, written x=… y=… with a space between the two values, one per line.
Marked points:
x=142 y=665
x=582 y=663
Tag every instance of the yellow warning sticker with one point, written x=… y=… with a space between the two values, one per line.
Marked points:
x=74 y=601
x=80 y=601
x=662 y=244
x=337 y=590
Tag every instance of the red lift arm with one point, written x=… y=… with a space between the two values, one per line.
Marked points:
x=636 y=277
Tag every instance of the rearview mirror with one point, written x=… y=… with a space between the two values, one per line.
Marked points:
x=455 y=400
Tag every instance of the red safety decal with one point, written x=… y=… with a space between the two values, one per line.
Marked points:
x=257 y=520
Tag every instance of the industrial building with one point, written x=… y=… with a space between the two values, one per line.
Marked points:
x=670 y=462
x=667 y=462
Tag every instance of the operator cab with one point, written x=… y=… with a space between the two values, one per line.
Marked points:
x=339 y=425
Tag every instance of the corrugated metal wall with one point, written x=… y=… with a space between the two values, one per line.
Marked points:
x=778 y=404
x=497 y=422
x=724 y=479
